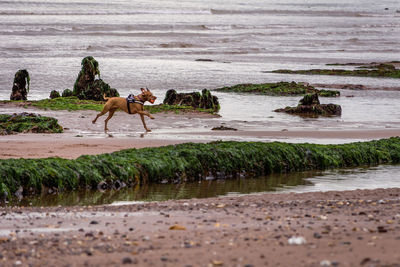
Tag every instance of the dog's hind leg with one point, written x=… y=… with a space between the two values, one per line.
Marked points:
x=104 y=111
x=110 y=114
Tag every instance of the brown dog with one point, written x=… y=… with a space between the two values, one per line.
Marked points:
x=114 y=103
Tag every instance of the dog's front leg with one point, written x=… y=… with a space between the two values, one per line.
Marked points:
x=144 y=123
x=142 y=112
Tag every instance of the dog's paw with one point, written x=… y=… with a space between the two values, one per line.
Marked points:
x=152 y=118
x=148 y=130
x=93 y=122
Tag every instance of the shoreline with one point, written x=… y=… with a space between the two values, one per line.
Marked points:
x=70 y=147
x=346 y=228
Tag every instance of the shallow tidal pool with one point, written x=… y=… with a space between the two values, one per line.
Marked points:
x=383 y=176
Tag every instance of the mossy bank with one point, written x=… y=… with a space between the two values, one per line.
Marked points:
x=28 y=123
x=278 y=89
x=72 y=103
x=187 y=162
x=378 y=71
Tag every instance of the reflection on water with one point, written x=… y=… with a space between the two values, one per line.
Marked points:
x=159 y=192
x=385 y=176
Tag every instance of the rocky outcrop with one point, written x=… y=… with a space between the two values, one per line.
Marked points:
x=20 y=87
x=204 y=100
x=309 y=105
x=54 y=94
x=28 y=123
x=87 y=86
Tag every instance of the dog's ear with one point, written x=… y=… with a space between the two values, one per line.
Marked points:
x=142 y=89
x=147 y=89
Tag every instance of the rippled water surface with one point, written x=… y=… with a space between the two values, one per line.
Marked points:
x=155 y=43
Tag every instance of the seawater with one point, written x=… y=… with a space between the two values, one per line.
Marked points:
x=156 y=43
x=383 y=176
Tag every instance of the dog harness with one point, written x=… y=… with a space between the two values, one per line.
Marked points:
x=131 y=99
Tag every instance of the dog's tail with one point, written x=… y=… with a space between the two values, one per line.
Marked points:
x=106 y=98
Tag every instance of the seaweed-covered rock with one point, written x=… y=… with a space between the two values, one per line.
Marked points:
x=279 y=89
x=20 y=87
x=28 y=123
x=223 y=128
x=67 y=93
x=309 y=105
x=309 y=100
x=87 y=87
x=54 y=94
x=204 y=100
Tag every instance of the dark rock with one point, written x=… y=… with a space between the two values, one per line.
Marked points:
x=102 y=186
x=381 y=229
x=67 y=93
x=204 y=100
x=94 y=222
x=310 y=106
x=87 y=87
x=204 y=59
x=127 y=260
x=118 y=184
x=54 y=94
x=20 y=87
x=317 y=235
x=223 y=128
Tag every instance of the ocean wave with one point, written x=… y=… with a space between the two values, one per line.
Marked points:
x=333 y=13
x=95 y=12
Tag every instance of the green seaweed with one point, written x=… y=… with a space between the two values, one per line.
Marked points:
x=381 y=70
x=278 y=89
x=73 y=103
x=68 y=103
x=54 y=94
x=189 y=162
x=28 y=122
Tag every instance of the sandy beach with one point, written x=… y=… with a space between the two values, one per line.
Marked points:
x=190 y=46
x=350 y=228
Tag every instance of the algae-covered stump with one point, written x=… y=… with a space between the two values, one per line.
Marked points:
x=87 y=87
x=54 y=94
x=28 y=123
x=205 y=100
x=278 y=89
x=309 y=105
x=20 y=87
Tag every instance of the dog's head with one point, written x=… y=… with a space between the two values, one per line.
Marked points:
x=147 y=95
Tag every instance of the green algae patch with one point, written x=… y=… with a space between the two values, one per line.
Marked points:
x=188 y=162
x=379 y=71
x=68 y=103
x=28 y=123
x=278 y=89
x=73 y=103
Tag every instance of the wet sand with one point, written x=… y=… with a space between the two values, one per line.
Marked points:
x=71 y=147
x=81 y=137
x=350 y=228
